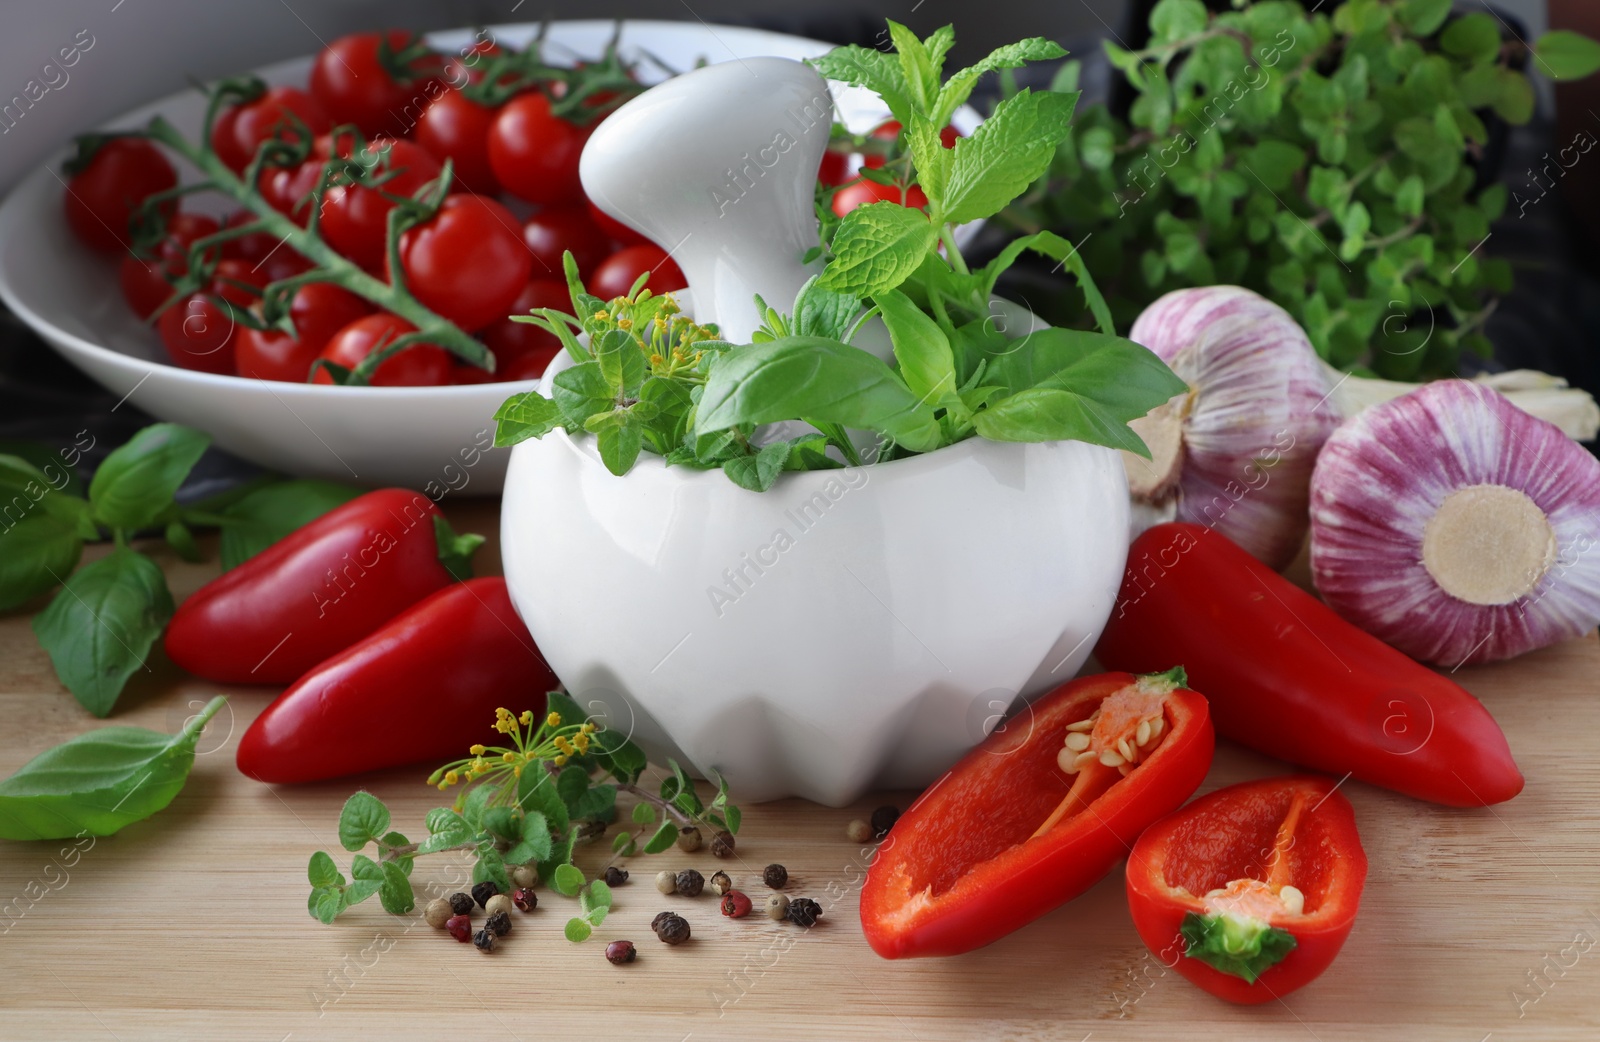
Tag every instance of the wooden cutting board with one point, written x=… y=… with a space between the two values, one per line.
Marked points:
x=1475 y=925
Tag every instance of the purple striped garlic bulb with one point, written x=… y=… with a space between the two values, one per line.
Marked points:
x=1235 y=453
x=1457 y=527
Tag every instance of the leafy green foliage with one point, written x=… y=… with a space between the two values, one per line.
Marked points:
x=1324 y=160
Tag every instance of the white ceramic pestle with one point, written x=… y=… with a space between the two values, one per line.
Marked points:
x=718 y=167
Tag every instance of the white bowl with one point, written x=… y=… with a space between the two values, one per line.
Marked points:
x=872 y=623
x=409 y=436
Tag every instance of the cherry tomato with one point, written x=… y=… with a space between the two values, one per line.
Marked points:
x=318 y=311
x=556 y=229
x=145 y=280
x=102 y=196
x=466 y=66
x=455 y=128
x=534 y=153
x=616 y=275
x=199 y=331
x=240 y=129
x=521 y=347
x=353 y=86
x=285 y=188
x=355 y=217
x=618 y=232
x=467 y=262
x=860 y=193
x=890 y=131
x=835 y=168
x=424 y=365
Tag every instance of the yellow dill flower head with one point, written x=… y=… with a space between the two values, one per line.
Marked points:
x=516 y=772
x=451 y=777
x=624 y=323
x=526 y=718
x=553 y=720
x=508 y=757
x=561 y=761
x=475 y=750
x=587 y=728
x=564 y=745
x=601 y=316
x=582 y=742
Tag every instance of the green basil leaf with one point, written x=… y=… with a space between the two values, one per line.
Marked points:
x=135 y=484
x=36 y=555
x=758 y=472
x=814 y=378
x=99 y=782
x=1567 y=55
x=394 y=892
x=1126 y=379
x=1475 y=37
x=819 y=311
x=101 y=626
x=877 y=247
x=182 y=541
x=1007 y=153
x=927 y=363
x=523 y=416
x=60 y=473
x=810 y=452
x=363 y=819
x=25 y=488
x=1052 y=414
x=261 y=518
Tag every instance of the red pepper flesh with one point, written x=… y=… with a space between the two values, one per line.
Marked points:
x=1289 y=678
x=1278 y=832
x=423 y=687
x=317 y=591
x=993 y=844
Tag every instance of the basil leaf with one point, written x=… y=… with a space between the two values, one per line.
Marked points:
x=927 y=363
x=810 y=452
x=257 y=520
x=1008 y=152
x=1129 y=380
x=819 y=311
x=1567 y=55
x=60 y=474
x=758 y=472
x=36 y=555
x=24 y=488
x=815 y=378
x=99 y=782
x=101 y=626
x=1052 y=414
x=135 y=484
x=363 y=819
x=877 y=247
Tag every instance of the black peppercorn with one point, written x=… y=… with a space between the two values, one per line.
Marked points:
x=804 y=912
x=690 y=883
x=722 y=844
x=616 y=876
x=619 y=952
x=661 y=917
x=776 y=876
x=674 y=929
x=460 y=903
x=484 y=939
x=883 y=820
x=481 y=892
x=525 y=899
x=498 y=924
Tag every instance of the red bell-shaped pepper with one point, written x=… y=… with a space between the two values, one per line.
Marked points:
x=1250 y=891
x=318 y=590
x=1289 y=678
x=1036 y=814
x=424 y=687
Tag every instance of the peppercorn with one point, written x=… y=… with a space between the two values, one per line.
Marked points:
x=460 y=927
x=804 y=912
x=720 y=883
x=735 y=905
x=437 y=913
x=778 y=907
x=661 y=917
x=485 y=890
x=689 y=839
x=615 y=876
x=524 y=898
x=858 y=831
x=667 y=881
x=722 y=844
x=674 y=929
x=524 y=876
x=499 y=923
x=690 y=883
x=460 y=903
x=776 y=876
x=484 y=939
x=619 y=952
x=883 y=820
x=499 y=903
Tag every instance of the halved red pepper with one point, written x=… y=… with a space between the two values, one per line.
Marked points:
x=1288 y=677
x=318 y=590
x=423 y=687
x=1036 y=814
x=1250 y=891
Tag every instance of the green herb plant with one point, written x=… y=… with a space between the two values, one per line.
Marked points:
x=99 y=629
x=1328 y=161
x=956 y=374
x=531 y=802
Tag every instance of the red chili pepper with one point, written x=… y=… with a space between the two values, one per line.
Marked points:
x=1251 y=890
x=319 y=590
x=423 y=687
x=1288 y=677
x=1008 y=833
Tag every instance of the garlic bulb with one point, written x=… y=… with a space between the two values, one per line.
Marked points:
x=1236 y=452
x=1456 y=527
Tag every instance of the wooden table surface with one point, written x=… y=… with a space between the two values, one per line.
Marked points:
x=1481 y=924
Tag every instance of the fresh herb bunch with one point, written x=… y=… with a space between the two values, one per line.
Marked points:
x=110 y=613
x=1327 y=161
x=526 y=803
x=956 y=374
